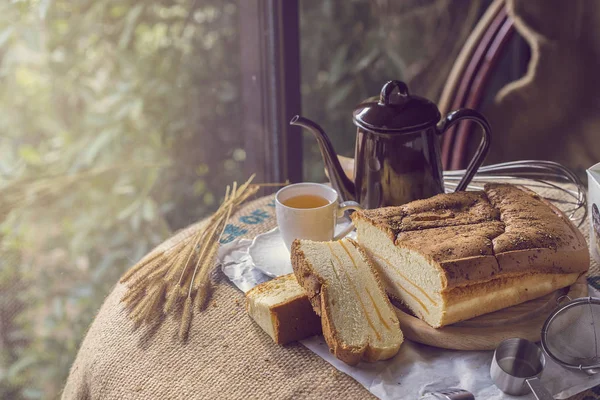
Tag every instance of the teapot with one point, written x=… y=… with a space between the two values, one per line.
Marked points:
x=397 y=154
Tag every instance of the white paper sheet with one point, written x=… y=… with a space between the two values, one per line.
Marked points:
x=416 y=369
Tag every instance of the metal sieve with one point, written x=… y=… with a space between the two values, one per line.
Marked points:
x=571 y=335
x=561 y=186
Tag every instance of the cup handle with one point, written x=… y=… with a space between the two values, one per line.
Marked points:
x=538 y=390
x=346 y=205
x=484 y=146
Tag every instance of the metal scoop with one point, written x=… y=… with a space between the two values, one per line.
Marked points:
x=517 y=366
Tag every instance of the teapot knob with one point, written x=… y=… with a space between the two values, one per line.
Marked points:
x=388 y=89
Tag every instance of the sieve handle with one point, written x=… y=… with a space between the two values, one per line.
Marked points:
x=539 y=391
x=343 y=207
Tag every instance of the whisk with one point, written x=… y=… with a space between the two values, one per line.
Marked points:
x=533 y=173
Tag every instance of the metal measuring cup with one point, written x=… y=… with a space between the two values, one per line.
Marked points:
x=517 y=366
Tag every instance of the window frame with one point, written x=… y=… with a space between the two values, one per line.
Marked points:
x=270 y=61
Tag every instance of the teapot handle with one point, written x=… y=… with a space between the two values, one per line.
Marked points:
x=388 y=89
x=484 y=146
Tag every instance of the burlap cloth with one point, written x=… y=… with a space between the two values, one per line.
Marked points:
x=227 y=355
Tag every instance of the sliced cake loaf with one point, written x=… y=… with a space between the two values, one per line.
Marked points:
x=456 y=256
x=281 y=308
x=358 y=321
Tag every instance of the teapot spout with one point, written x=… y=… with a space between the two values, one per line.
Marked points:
x=339 y=180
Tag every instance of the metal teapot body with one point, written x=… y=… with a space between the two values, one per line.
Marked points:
x=397 y=153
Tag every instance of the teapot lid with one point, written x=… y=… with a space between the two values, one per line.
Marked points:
x=396 y=111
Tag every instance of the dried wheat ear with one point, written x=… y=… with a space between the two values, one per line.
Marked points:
x=176 y=280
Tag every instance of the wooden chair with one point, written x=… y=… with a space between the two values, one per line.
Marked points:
x=469 y=77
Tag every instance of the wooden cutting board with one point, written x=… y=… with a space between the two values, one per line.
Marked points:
x=487 y=331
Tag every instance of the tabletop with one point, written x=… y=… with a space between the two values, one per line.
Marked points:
x=226 y=355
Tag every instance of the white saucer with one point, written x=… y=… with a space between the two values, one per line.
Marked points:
x=271 y=257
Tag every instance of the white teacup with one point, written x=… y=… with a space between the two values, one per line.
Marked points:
x=311 y=223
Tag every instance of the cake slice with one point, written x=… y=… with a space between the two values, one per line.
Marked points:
x=358 y=321
x=281 y=308
x=455 y=256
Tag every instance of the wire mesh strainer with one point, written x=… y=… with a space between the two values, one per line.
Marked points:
x=561 y=185
x=571 y=334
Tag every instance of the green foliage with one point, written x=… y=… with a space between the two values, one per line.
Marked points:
x=354 y=67
x=350 y=48
x=120 y=123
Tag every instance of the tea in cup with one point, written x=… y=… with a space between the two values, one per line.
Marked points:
x=310 y=211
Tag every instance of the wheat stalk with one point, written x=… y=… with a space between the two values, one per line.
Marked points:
x=159 y=283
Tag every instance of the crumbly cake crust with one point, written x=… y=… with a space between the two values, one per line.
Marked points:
x=306 y=276
x=456 y=209
x=475 y=237
x=267 y=287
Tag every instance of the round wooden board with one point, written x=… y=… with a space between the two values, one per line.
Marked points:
x=487 y=331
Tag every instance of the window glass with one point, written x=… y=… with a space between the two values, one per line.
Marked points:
x=120 y=124
x=349 y=49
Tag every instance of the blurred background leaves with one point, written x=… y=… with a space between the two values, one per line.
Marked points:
x=350 y=48
x=120 y=124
